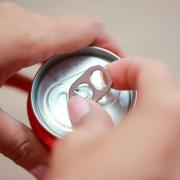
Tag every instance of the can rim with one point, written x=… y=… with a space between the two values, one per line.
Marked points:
x=37 y=80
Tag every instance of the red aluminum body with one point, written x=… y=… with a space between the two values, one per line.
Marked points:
x=41 y=133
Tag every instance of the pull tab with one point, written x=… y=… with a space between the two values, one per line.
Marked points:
x=97 y=94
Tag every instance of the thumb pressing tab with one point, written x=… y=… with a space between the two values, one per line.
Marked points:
x=77 y=108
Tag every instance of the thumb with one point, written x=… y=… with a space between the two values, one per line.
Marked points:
x=88 y=116
x=90 y=122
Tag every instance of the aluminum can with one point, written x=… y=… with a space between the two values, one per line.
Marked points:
x=47 y=101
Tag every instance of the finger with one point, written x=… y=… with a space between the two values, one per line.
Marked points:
x=140 y=74
x=105 y=41
x=19 y=143
x=42 y=37
x=89 y=121
x=80 y=32
x=65 y=35
x=88 y=116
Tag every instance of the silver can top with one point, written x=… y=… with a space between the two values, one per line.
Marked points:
x=50 y=89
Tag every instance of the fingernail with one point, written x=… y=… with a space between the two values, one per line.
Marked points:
x=40 y=171
x=77 y=108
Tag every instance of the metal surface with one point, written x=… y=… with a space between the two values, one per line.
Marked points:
x=51 y=86
x=97 y=93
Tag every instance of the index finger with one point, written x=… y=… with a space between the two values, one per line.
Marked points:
x=140 y=74
x=68 y=34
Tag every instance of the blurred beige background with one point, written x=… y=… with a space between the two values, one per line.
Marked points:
x=149 y=28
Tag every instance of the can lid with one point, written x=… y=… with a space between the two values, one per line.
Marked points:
x=50 y=89
x=85 y=78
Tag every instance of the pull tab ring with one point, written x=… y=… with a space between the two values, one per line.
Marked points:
x=85 y=79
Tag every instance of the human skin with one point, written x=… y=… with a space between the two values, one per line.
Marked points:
x=145 y=146
x=27 y=38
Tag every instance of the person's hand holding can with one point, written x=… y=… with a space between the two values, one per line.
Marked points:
x=27 y=38
x=144 y=146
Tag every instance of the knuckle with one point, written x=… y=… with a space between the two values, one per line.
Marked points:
x=93 y=23
x=96 y=24
x=21 y=148
x=21 y=152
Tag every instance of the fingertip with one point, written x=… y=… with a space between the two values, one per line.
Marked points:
x=118 y=73
x=89 y=115
x=77 y=108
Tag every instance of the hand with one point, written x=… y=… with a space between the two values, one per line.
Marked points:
x=27 y=38
x=144 y=146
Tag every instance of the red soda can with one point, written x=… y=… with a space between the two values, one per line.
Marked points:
x=49 y=95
